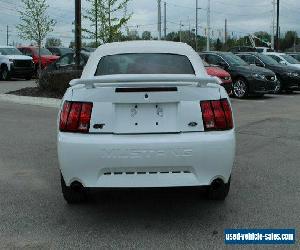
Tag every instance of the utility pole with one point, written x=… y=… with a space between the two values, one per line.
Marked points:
x=225 y=41
x=7 y=35
x=159 y=19
x=165 y=20
x=273 y=24
x=196 y=30
x=208 y=26
x=96 y=24
x=180 y=24
x=125 y=14
x=77 y=32
x=277 y=26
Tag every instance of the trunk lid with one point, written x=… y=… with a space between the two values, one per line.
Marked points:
x=146 y=108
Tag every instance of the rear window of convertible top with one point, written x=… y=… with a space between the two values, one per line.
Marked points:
x=144 y=63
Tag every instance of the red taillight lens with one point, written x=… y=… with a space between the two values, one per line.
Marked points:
x=75 y=117
x=85 y=117
x=64 y=115
x=228 y=113
x=208 y=115
x=216 y=115
x=220 y=119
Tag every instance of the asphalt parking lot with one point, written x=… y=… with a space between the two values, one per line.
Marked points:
x=7 y=86
x=265 y=191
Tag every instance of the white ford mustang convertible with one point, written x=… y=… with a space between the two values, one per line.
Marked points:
x=145 y=114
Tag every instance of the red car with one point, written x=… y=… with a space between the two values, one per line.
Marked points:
x=46 y=56
x=220 y=73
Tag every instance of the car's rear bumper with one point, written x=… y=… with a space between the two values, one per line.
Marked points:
x=156 y=160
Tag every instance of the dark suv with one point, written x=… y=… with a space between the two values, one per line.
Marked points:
x=57 y=51
x=288 y=77
x=247 y=79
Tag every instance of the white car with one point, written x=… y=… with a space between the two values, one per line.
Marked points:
x=14 y=64
x=145 y=114
x=284 y=59
x=263 y=49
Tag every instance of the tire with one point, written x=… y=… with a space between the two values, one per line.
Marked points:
x=278 y=89
x=240 y=88
x=5 y=74
x=73 y=195
x=28 y=78
x=219 y=191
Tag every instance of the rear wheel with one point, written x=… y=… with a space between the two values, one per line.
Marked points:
x=28 y=78
x=74 y=195
x=5 y=74
x=218 y=190
x=240 y=88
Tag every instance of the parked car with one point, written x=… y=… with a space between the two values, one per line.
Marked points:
x=242 y=49
x=284 y=59
x=14 y=64
x=247 y=79
x=56 y=76
x=223 y=75
x=58 y=51
x=88 y=49
x=46 y=56
x=263 y=49
x=288 y=78
x=67 y=62
x=296 y=55
x=145 y=114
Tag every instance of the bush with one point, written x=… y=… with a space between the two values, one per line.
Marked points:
x=58 y=81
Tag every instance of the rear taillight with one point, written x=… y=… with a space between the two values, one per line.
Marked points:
x=216 y=115
x=75 y=117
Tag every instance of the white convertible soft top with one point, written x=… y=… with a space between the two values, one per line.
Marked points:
x=165 y=47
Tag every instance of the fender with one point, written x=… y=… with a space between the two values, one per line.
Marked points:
x=4 y=61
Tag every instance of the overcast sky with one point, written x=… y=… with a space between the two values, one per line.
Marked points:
x=243 y=16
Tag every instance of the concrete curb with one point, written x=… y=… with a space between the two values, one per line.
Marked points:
x=39 y=101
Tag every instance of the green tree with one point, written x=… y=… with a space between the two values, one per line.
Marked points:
x=218 y=44
x=146 y=35
x=289 y=40
x=53 y=42
x=173 y=36
x=133 y=35
x=35 y=23
x=105 y=20
x=189 y=38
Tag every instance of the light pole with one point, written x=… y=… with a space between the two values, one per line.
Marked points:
x=165 y=20
x=196 y=29
x=180 y=25
x=159 y=18
x=277 y=27
x=208 y=26
x=77 y=32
